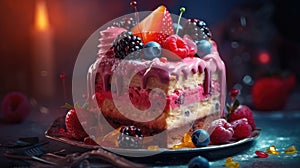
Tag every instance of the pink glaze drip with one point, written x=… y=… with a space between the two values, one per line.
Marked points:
x=155 y=68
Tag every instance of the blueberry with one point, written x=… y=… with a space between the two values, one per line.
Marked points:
x=204 y=47
x=152 y=50
x=198 y=162
x=200 y=138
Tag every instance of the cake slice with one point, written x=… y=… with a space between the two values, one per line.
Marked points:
x=164 y=97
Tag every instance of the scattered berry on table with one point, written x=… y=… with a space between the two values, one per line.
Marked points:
x=242 y=111
x=200 y=138
x=74 y=127
x=130 y=137
x=272 y=150
x=15 y=107
x=221 y=131
x=230 y=163
x=197 y=29
x=127 y=45
x=242 y=129
x=290 y=150
x=152 y=50
x=271 y=93
x=261 y=154
x=198 y=162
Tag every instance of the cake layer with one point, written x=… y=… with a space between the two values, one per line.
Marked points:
x=152 y=122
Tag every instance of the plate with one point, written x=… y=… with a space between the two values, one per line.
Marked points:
x=211 y=152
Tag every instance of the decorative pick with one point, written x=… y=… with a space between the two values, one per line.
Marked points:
x=182 y=10
x=133 y=4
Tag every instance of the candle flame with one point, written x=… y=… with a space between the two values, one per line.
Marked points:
x=41 y=16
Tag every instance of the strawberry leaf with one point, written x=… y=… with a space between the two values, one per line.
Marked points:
x=228 y=108
x=68 y=106
x=85 y=106
x=235 y=105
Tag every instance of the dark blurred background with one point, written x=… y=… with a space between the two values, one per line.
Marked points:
x=254 y=37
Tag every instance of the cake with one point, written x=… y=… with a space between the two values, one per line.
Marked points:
x=164 y=82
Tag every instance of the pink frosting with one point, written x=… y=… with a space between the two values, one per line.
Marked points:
x=107 y=38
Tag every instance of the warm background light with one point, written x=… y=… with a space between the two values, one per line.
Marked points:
x=41 y=16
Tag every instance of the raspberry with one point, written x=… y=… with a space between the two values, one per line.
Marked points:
x=73 y=125
x=129 y=45
x=177 y=45
x=242 y=111
x=221 y=131
x=130 y=137
x=241 y=128
x=15 y=107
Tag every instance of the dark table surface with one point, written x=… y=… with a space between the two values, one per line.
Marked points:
x=279 y=128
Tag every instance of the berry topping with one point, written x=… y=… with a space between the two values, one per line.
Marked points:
x=155 y=27
x=176 y=45
x=126 y=23
x=198 y=162
x=127 y=45
x=152 y=50
x=130 y=137
x=73 y=125
x=200 y=138
x=242 y=111
x=221 y=131
x=204 y=47
x=196 y=29
x=15 y=107
x=241 y=128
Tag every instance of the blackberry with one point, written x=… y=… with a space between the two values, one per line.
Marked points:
x=127 y=45
x=130 y=137
x=125 y=22
x=197 y=29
